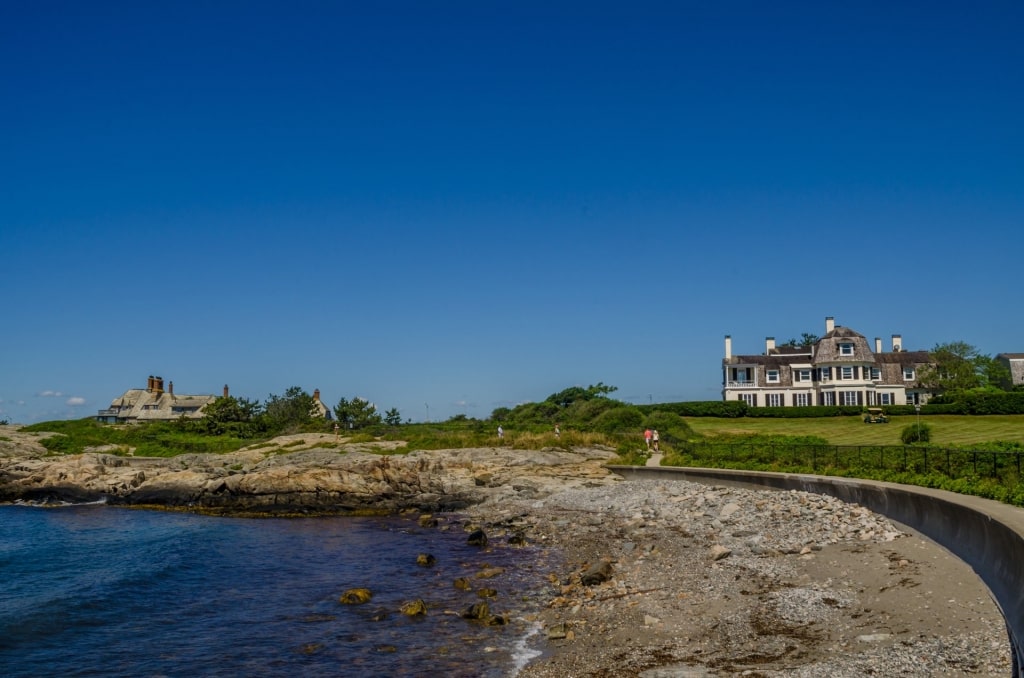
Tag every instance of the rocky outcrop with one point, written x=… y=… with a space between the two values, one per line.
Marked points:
x=311 y=473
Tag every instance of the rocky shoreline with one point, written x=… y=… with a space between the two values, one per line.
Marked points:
x=655 y=578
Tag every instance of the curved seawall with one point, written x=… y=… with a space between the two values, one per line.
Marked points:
x=985 y=534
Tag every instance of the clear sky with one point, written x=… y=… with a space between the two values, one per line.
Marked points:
x=450 y=207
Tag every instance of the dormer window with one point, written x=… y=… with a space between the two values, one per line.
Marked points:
x=773 y=376
x=908 y=374
x=846 y=349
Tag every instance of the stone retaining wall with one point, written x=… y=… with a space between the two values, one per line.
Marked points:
x=987 y=535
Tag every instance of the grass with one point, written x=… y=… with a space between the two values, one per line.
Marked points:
x=946 y=429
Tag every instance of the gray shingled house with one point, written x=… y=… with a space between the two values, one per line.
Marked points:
x=839 y=369
x=153 y=403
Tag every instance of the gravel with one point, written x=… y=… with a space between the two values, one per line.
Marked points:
x=717 y=581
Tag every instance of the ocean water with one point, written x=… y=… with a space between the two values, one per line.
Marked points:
x=106 y=591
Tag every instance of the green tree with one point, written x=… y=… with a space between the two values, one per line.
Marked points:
x=356 y=413
x=806 y=339
x=293 y=410
x=393 y=417
x=956 y=367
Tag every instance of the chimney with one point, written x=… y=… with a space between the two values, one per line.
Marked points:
x=158 y=385
x=897 y=343
x=728 y=347
x=149 y=383
x=878 y=344
x=769 y=345
x=316 y=394
x=830 y=324
x=225 y=390
x=170 y=388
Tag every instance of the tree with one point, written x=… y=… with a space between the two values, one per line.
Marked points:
x=356 y=413
x=393 y=417
x=292 y=410
x=957 y=366
x=806 y=339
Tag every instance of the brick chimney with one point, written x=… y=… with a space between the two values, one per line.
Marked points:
x=158 y=385
x=830 y=324
x=316 y=394
x=150 y=383
x=170 y=388
x=728 y=347
x=225 y=390
x=769 y=345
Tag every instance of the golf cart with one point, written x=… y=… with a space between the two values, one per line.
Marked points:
x=875 y=415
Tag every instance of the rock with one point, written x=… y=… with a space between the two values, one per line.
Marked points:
x=425 y=560
x=477 y=538
x=414 y=608
x=486 y=593
x=719 y=552
x=462 y=584
x=355 y=596
x=478 y=611
x=597 y=573
x=427 y=520
x=557 y=632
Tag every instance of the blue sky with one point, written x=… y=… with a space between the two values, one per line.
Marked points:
x=452 y=207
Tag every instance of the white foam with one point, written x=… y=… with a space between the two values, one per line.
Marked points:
x=522 y=653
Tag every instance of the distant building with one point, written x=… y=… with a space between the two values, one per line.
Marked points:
x=839 y=369
x=1014 y=362
x=153 y=403
x=319 y=409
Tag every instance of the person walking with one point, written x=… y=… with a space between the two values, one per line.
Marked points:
x=558 y=431
x=501 y=433
x=654 y=439
x=647 y=439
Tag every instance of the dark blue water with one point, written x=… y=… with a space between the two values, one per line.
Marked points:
x=104 y=591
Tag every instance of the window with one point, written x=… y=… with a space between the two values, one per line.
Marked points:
x=849 y=397
x=801 y=400
x=774 y=400
x=845 y=349
x=876 y=374
x=828 y=398
x=749 y=398
x=885 y=399
x=773 y=376
x=908 y=374
x=803 y=375
x=847 y=373
x=823 y=373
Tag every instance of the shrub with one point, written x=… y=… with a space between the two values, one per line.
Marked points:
x=619 y=419
x=916 y=433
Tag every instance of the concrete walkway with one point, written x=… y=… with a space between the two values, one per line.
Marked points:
x=654 y=459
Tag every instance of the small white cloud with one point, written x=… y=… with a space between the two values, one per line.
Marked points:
x=50 y=394
x=76 y=401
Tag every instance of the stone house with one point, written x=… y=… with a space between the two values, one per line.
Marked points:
x=839 y=369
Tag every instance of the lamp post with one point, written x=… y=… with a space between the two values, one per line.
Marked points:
x=917 y=408
x=427 y=405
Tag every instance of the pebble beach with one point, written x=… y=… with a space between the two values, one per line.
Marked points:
x=677 y=579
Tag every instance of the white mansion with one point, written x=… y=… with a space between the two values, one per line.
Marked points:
x=838 y=369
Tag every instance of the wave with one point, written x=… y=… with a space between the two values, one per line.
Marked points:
x=55 y=503
x=522 y=651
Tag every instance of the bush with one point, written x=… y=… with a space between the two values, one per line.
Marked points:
x=620 y=419
x=916 y=433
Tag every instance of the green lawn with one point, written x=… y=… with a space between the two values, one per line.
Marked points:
x=946 y=429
